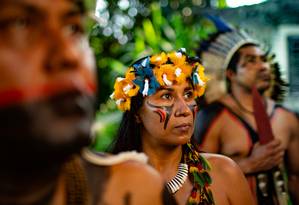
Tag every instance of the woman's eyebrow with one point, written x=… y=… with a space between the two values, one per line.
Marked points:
x=165 y=88
x=24 y=7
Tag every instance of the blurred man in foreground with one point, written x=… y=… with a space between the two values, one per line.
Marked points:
x=47 y=93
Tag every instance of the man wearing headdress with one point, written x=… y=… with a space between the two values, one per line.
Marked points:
x=47 y=93
x=227 y=124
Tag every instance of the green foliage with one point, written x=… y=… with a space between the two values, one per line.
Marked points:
x=90 y=4
x=105 y=129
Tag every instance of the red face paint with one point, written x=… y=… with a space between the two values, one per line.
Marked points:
x=161 y=113
x=31 y=93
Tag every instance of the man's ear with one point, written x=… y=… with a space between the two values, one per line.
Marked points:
x=229 y=74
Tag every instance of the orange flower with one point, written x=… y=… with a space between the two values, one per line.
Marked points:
x=124 y=104
x=177 y=58
x=200 y=86
x=124 y=89
x=158 y=59
x=130 y=74
x=165 y=74
x=182 y=72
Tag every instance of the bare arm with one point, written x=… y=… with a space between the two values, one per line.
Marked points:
x=228 y=176
x=292 y=150
x=242 y=194
x=293 y=162
x=262 y=157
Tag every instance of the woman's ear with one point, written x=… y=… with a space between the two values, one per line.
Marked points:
x=138 y=118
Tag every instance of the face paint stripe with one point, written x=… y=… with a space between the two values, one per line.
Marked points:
x=28 y=94
x=167 y=110
x=161 y=114
x=167 y=118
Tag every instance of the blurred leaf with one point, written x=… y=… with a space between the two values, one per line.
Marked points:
x=139 y=41
x=90 y=5
x=156 y=16
x=222 y=4
x=117 y=66
x=150 y=34
x=169 y=32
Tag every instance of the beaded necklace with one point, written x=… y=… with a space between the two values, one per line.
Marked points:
x=201 y=193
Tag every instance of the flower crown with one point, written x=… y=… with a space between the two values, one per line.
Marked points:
x=149 y=73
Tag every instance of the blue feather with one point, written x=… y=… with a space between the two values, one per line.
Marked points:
x=219 y=23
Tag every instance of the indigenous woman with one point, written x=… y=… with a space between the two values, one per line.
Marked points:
x=158 y=96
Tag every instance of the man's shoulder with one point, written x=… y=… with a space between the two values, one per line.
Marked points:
x=286 y=115
x=142 y=183
x=126 y=178
x=127 y=165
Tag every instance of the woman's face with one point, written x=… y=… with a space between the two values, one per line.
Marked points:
x=168 y=115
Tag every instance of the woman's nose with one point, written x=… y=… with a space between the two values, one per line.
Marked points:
x=181 y=108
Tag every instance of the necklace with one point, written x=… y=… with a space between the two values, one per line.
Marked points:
x=177 y=182
x=240 y=105
x=199 y=176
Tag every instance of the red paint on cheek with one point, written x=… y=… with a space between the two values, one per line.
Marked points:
x=30 y=93
x=162 y=114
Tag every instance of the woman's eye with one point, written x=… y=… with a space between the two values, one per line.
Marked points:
x=189 y=94
x=74 y=29
x=18 y=23
x=166 y=96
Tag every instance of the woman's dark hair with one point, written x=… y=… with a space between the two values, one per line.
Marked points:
x=81 y=5
x=128 y=136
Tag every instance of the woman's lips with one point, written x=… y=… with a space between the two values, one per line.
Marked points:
x=183 y=127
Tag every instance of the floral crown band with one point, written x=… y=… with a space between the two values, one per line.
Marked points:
x=149 y=73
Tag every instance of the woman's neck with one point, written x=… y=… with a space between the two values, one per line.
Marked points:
x=164 y=159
